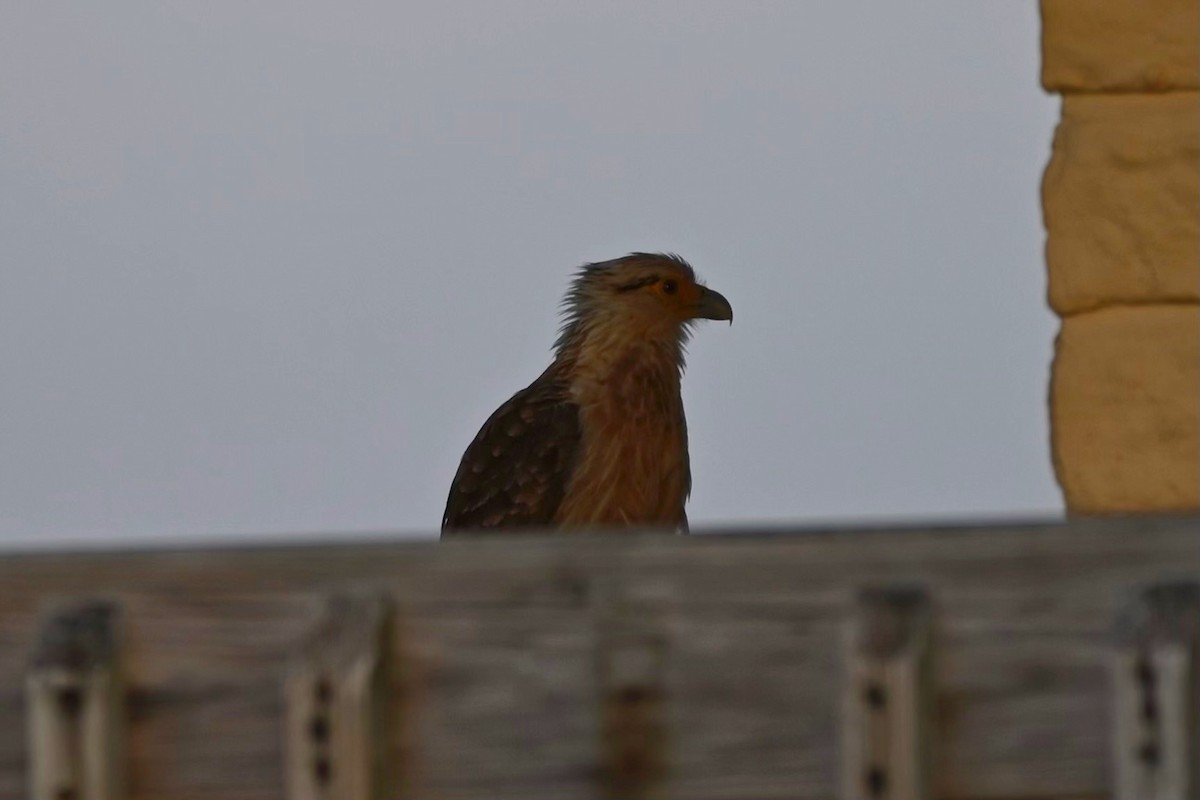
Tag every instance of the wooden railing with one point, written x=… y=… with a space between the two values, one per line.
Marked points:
x=1055 y=661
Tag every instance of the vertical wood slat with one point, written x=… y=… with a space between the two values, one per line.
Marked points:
x=76 y=700
x=887 y=705
x=336 y=693
x=632 y=655
x=1156 y=691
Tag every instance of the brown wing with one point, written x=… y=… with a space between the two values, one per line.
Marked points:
x=515 y=472
x=687 y=473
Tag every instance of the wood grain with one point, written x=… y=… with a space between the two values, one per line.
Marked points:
x=500 y=643
x=338 y=695
x=888 y=693
x=76 y=706
x=1156 y=690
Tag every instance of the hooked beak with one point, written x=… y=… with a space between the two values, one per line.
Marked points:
x=713 y=305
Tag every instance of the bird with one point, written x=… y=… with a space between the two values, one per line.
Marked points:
x=599 y=439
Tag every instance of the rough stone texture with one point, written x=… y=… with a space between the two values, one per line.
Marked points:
x=1121 y=201
x=1120 y=45
x=1125 y=409
x=1121 y=198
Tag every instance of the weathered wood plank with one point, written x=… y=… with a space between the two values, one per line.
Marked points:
x=76 y=709
x=888 y=697
x=632 y=656
x=1156 y=688
x=337 y=694
x=500 y=642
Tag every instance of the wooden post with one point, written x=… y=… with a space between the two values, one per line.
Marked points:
x=76 y=698
x=886 y=754
x=336 y=693
x=632 y=663
x=1156 y=689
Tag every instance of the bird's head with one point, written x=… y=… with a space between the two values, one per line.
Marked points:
x=640 y=296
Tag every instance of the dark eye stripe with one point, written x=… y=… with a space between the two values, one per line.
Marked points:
x=638 y=284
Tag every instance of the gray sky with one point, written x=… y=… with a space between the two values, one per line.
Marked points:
x=266 y=267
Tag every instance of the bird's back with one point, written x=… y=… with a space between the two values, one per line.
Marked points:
x=515 y=472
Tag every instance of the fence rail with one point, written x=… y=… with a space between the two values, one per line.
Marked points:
x=1053 y=661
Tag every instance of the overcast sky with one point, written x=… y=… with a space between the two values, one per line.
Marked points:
x=266 y=267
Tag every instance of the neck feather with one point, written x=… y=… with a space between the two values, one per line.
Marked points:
x=595 y=345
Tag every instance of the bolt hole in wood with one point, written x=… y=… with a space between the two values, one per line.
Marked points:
x=318 y=729
x=1148 y=752
x=633 y=695
x=1149 y=709
x=70 y=701
x=876 y=782
x=875 y=697
x=323 y=770
x=65 y=793
x=1144 y=671
x=634 y=767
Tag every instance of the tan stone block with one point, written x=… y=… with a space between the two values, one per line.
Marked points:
x=1120 y=45
x=1125 y=410
x=1121 y=201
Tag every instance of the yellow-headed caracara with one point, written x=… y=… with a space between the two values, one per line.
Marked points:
x=599 y=439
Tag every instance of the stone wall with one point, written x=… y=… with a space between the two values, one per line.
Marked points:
x=1121 y=201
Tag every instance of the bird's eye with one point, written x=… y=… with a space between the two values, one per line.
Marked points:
x=670 y=287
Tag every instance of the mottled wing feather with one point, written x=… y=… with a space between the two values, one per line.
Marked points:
x=515 y=473
x=687 y=472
